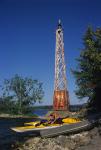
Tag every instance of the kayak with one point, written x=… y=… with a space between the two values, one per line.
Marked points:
x=74 y=126
x=32 y=123
x=65 y=120
x=71 y=120
x=31 y=126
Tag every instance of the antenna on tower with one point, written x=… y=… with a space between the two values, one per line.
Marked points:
x=59 y=24
x=59 y=21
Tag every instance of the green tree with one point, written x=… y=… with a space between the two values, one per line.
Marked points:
x=88 y=73
x=23 y=91
x=7 y=105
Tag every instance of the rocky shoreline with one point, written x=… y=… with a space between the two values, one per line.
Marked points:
x=88 y=140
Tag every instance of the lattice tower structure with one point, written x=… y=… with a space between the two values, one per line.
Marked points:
x=60 y=98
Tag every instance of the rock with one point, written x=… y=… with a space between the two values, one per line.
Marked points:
x=33 y=140
x=57 y=148
x=65 y=142
x=70 y=145
x=61 y=140
x=99 y=130
x=94 y=132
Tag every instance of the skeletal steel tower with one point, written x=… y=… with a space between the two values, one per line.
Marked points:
x=60 y=98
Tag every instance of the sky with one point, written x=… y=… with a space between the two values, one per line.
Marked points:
x=27 y=38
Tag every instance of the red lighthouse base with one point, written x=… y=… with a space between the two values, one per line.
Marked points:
x=61 y=100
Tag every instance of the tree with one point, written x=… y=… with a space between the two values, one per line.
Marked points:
x=88 y=75
x=23 y=91
x=7 y=105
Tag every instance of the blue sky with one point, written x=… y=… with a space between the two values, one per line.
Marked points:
x=27 y=38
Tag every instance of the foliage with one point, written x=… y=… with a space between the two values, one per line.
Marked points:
x=7 y=106
x=22 y=93
x=88 y=75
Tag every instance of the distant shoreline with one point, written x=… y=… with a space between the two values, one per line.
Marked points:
x=17 y=116
x=78 y=106
x=73 y=108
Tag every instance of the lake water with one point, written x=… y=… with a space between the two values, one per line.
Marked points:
x=9 y=137
x=44 y=111
x=41 y=112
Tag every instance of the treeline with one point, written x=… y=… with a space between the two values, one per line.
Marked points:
x=43 y=107
x=18 y=95
x=88 y=71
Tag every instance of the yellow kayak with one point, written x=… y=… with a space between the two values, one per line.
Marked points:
x=65 y=120
x=71 y=120
x=31 y=128
x=32 y=123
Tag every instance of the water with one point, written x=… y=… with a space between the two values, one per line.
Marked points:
x=9 y=137
x=41 y=112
